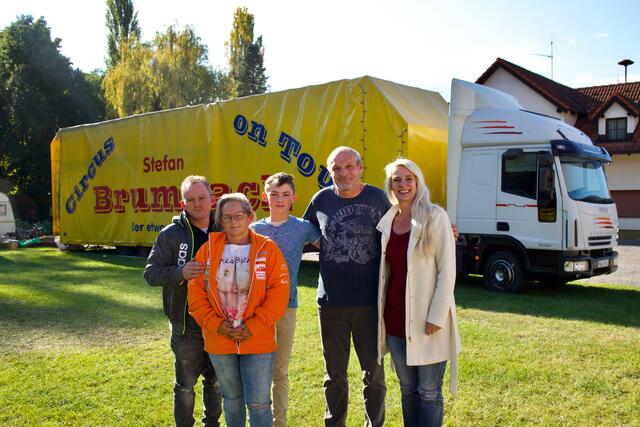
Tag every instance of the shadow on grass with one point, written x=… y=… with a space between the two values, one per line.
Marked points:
x=110 y=256
x=49 y=290
x=308 y=274
x=571 y=301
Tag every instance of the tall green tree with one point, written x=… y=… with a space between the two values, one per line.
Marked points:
x=122 y=23
x=169 y=72
x=245 y=57
x=39 y=93
x=252 y=79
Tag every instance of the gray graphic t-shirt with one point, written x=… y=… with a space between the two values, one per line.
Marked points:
x=350 y=245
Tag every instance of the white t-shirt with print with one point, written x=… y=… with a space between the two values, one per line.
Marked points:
x=233 y=279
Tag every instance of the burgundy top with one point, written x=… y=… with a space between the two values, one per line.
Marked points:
x=394 y=309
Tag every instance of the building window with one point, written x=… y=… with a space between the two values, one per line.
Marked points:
x=519 y=175
x=617 y=129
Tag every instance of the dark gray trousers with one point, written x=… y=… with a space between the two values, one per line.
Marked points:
x=338 y=325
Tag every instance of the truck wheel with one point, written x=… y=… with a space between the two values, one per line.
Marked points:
x=503 y=272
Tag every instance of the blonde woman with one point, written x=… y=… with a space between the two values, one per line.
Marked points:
x=416 y=306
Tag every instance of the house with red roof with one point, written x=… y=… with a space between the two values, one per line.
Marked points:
x=608 y=114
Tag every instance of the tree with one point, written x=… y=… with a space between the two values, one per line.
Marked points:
x=252 y=79
x=245 y=57
x=169 y=72
x=40 y=92
x=122 y=23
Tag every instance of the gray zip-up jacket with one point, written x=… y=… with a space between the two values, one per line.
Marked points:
x=173 y=248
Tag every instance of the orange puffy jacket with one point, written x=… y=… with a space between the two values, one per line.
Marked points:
x=266 y=303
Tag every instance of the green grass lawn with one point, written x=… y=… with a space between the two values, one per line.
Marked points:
x=83 y=341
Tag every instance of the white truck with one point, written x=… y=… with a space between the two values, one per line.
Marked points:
x=527 y=191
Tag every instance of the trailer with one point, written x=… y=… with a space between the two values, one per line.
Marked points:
x=117 y=182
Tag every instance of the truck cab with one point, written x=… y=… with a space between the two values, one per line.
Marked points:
x=528 y=193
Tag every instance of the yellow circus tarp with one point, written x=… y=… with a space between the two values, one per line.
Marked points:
x=118 y=182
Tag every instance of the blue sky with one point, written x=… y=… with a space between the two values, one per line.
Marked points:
x=419 y=43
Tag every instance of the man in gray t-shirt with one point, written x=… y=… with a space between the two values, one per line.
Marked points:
x=347 y=214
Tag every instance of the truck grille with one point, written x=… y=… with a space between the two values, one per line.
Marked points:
x=600 y=240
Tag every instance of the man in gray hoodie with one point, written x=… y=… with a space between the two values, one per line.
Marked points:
x=171 y=265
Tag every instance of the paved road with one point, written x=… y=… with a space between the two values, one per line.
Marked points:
x=628 y=268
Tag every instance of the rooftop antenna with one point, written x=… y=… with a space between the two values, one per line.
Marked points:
x=550 y=56
x=625 y=63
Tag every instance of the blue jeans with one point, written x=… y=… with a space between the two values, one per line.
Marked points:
x=191 y=361
x=338 y=326
x=421 y=387
x=245 y=380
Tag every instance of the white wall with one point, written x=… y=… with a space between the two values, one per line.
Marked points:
x=528 y=98
x=616 y=111
x=622 y=173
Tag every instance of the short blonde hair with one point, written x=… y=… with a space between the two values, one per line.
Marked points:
x=193 y=179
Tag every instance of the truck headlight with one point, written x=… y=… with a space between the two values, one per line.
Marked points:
x=568 y=266
x=614 y=261
x=581 y=266
x=576 y=266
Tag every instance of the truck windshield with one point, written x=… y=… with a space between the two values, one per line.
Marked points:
x=585 y=180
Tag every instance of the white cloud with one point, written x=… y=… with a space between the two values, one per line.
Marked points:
x=571 y=41
x=600 y=36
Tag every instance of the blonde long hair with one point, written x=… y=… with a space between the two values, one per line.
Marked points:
x=421 y=207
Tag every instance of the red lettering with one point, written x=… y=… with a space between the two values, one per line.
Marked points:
x=251 y=189
x=165 y=199
x=265 y=203
x=103 y=199
x=121 y=196
x=166 y=163
x=139 y=200
x=218 y=190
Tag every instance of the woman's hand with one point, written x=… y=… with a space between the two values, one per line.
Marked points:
x=240 y=334
x=431 y=328
x=227 y=330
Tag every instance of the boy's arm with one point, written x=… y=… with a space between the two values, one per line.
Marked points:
x=312 y=234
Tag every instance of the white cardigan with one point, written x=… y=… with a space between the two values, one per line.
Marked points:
x=429 y=295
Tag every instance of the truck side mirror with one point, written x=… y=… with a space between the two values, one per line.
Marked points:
x=547 y=202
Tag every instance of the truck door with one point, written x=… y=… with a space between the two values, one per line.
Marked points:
x=526 y=204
